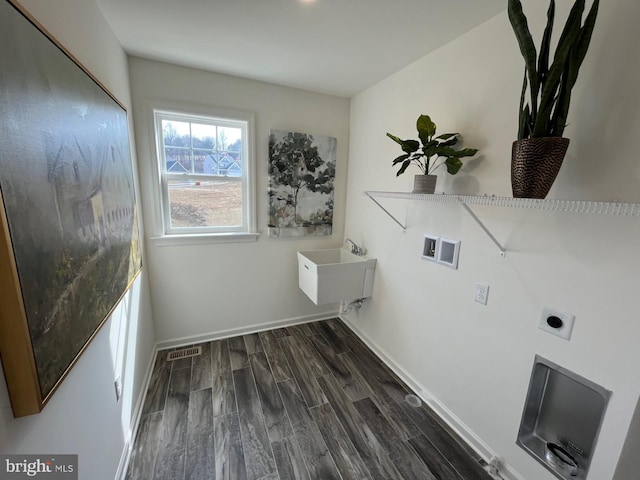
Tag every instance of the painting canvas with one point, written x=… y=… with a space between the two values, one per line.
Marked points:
x=302 y=170
x=69 y=215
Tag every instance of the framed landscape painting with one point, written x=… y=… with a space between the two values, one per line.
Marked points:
x=69 y=240
x=302 y=170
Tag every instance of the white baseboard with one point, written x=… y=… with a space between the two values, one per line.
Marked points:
x=233 y=332
x=125 y=457
x=474 y=441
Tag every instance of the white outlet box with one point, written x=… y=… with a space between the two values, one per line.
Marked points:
x=482 y=293
x=448 y=252
x=556 y=322
x=431 y=248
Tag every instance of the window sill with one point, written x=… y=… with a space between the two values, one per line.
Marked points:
x=203 y=238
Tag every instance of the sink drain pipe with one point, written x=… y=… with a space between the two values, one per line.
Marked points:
x=348 y=307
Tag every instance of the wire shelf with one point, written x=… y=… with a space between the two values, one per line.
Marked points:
x=569 y=206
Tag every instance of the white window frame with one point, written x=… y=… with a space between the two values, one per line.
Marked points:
x=168 y=235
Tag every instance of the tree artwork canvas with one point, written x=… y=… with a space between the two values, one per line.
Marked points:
x=302 y=169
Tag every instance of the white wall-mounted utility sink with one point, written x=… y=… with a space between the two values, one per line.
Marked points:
x=335 y=275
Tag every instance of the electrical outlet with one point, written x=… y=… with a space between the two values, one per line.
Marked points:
x=118 y=385
x=556 y=322
x=482 y=293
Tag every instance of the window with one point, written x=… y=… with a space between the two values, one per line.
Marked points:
x=206 y=174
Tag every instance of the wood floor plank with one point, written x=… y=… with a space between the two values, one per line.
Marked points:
x=396 y=416
x=349 y=384
x=229 y=457
x=275 y=355
x=372 y=453
x=252 y=343
x=301 y=370
x=304 y=328
x=255 y=440
x=158 y=385
x=313 y=328
x=275 y=416
x=170 y=465
x=238 y=353
x=271 y=476
x=380 y=427
x=185 y=362
x=201 y=373
x=224 y=395
x=411 y=466
x=461 y=443
x=339 y=327
x=173 y=439
x=220 y=360
x=347 y=460
x=370 y=365
x=280 y=332
x=305 y=350
x=289 y=459
x=402 y=455
x=339 y=344
x=144 y=449
x=316 y=455
x=460 y=460
x=430 y=455
x=200 y=459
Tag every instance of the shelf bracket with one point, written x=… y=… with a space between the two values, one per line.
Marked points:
x=503 y=251
x=404 y=229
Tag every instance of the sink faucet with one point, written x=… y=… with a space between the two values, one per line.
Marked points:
x=355 y=249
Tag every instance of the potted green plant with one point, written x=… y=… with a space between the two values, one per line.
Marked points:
x=538 y=153
x=429 y=154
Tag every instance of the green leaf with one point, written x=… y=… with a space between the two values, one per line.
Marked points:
x=401 y=158
x=524 y=115
x=408 y=146
x=465 y=152
x=403 y=168
x=448 y=139
x=524 y=129
x=543 y=61
x=551 y=86
x=527 y=48
x=453 y=165
x=576 y=57
x=447 y=136
x=426 y=128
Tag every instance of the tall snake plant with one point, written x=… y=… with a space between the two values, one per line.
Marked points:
x=545 y=114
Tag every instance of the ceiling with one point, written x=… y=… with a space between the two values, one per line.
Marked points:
x=339 y=47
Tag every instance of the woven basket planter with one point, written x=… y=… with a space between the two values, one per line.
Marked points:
x=535 y=163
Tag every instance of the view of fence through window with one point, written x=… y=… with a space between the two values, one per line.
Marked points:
x=203 y=171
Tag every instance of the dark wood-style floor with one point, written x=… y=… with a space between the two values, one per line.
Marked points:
x=303 y=402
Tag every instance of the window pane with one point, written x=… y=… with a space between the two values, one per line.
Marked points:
x=229 y=137
x=177 y=160
x=202 y=162
x=204 y=136
x=175 y=134
x=205 y=204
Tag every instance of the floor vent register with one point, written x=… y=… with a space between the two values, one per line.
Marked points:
x=184 y=353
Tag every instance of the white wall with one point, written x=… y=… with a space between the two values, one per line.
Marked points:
x=475 y=360
x=200 y=289
x=83 y=416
